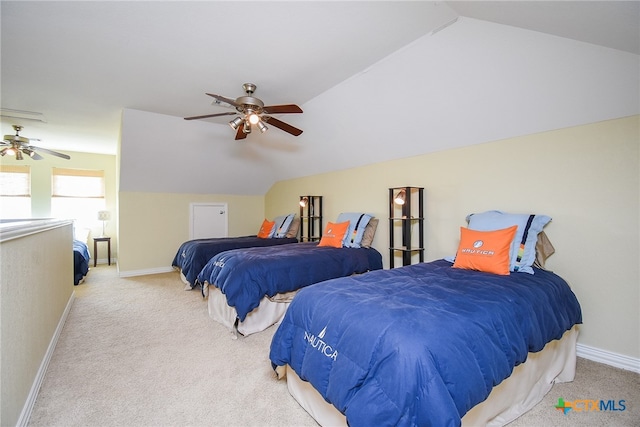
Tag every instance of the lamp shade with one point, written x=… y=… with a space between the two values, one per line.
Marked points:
x=104 y=215
x=400 y=197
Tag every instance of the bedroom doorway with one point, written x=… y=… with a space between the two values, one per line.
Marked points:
x=207 y=220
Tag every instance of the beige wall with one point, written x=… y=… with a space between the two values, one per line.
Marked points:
x=36 y=281
x=41 y=187
x=153 y=225
x=585 y=178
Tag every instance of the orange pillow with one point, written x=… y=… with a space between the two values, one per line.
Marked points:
x=486 y=251
x=265 y=229
x=333 y=234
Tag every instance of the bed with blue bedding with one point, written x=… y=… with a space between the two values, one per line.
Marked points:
x=240 y=283
x=193 y=255
x=422 y=344
x=81 y=259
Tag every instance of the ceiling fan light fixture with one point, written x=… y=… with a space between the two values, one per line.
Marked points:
x=262 y=127
x=247 y=127
x=235 y=123
x=19 y=155
x=253 y=118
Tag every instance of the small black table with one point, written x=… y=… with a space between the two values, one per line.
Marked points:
x=95 y=248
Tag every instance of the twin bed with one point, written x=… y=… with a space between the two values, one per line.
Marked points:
x=424 y=344
x=249 y=289
x=193 y=255
x=254 y=286
x=436 y=343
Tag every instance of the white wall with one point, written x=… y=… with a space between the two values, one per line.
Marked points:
x=470 y=83
x=166 y=154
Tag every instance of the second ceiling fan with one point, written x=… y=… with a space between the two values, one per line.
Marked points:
x=251 y=111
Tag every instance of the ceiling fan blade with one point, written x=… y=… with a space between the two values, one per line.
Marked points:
x=17 y=138
x=206 y=116
x=225 y=100
x=282 y=109
x=53 y=153
x=36 y=156
x=240 y=133
x=282 y=125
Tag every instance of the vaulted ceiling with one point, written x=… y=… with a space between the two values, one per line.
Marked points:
x=81 y=64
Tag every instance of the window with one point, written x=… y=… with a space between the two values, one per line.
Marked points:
x=15 y=192
x=77 y=194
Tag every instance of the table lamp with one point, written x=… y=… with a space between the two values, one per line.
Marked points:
x=104 y=216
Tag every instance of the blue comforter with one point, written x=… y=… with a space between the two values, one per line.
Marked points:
x=80 y=260
x=422 y=344
x=193 y=255
x=245 y=276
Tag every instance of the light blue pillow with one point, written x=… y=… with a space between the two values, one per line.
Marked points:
x=357 y=223
x=523 y=247
x=281 y=226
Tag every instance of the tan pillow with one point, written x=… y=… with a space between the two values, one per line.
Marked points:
x=369 y=233
x=293 y=228
x=544 y=249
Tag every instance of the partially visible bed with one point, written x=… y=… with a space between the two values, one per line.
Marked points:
x=193 y=255
x=249 y=290
x=436 y=343
x=81 y=255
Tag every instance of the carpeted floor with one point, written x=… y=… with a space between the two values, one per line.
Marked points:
x=143 y=352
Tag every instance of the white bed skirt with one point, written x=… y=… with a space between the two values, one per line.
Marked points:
x=266 y=314
x=524 y=389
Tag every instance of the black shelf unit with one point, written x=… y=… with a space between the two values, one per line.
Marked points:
x=405 y=215
x=310 y=218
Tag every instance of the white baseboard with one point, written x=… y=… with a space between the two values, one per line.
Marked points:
x=608 y=358
x=35 y=387
x=158 y=270
x=104 y=261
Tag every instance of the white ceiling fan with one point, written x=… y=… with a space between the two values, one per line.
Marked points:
x=16 y=145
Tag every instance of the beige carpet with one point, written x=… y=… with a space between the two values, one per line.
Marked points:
x=143 y=352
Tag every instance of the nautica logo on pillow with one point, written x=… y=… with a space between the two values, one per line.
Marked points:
x=476 y=249
x=318 y=343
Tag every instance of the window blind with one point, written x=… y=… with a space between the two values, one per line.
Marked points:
x=77 y=183
x=15 y=181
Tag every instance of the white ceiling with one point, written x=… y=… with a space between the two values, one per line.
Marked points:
x=82 y=63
